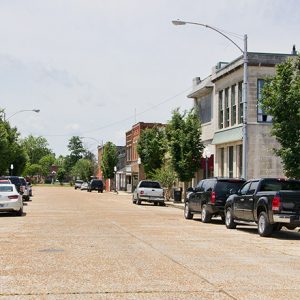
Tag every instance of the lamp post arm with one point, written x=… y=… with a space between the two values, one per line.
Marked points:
x=220 y=32
x=34 y=110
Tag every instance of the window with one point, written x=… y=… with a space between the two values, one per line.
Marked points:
x=226 y=107
x=205 y=108
x=253 y=187
x=221 y=110
x=245 y=188
x=222 y=162
x=233 y=106
x=208 y=185
x=261 y=115
x=240 y=98
x=230 y=161
x=199 y=186
x=240 y=160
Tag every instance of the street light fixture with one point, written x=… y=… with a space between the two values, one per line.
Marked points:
x=245 y=86
x=206 y=154
x=23 y=110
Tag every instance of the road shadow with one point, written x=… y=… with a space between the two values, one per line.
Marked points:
x=10 y=215
x=280 y=235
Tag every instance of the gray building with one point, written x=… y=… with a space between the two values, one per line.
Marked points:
x=219 y=99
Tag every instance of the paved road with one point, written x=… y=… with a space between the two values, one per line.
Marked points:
x=78 y=245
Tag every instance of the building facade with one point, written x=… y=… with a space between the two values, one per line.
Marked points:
x=134 y=168
x=219 y=100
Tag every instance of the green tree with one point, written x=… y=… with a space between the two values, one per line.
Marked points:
x=151 y=148
x=46 y=162
x=281 y=100
x=11 y=151
x=36 y=148
x=33 y=169
x=61 y=173
x=83 y=169
x=184 y=140
x=109 y=160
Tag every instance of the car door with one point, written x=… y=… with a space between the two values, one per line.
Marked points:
x=195 y=197
x=249 y=201
x=239 y=201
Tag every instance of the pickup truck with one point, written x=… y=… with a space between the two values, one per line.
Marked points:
x=269 y=202
x=148 y=191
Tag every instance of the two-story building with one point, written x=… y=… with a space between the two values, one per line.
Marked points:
x=219 y=99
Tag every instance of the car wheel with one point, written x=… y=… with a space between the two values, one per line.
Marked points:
x=155 y=203
x=187 y=214
x=229 y=221
x=264 y=226
x=19 y=213
x=161 y=203
x=133 y=200
x=277 y=227
x=205 y=215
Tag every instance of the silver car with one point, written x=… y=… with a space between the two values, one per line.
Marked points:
x=10 y=199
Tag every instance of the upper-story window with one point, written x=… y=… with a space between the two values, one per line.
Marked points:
x=226 y=107
x=233 y=105
x=261 y=115
x=221 y=110
x=240 y=99
x=205 y=108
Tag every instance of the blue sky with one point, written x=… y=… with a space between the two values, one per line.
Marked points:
x=95 y=67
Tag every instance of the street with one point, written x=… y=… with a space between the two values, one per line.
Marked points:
x=78 y=245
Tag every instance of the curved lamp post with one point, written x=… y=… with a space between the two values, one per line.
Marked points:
x=23 y=110
x=245 y=85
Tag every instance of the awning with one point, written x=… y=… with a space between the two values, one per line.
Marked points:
x=227 y=136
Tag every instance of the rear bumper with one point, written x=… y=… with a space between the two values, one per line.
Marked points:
x=10 y=206
x=289 y=219
x=151 y=199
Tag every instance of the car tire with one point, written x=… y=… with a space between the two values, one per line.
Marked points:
x=19 y=212
x=155 y=203
x=205 y=215
x=264 y=226
x=187 y=214
x=229 y=220
x=161 y=203
x=277 y=227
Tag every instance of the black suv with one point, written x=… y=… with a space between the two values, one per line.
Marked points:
x=209 y=197
x=95 y=185
x=20 y=186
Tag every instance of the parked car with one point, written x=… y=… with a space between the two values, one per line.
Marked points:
x=5 y=181
x=10 y=199
x=148 y=191
x=25 y=188
x=29 y=186
x=269 y=202
x=17 y=182
x=84 y=186
x=78 y=184
x=95 y=185
x=209 y=197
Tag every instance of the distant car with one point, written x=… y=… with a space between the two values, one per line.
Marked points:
x=29 y=188
x=148 y=191
x=84 y=186
x=95 y=185
x=17 y=182
x=25 y=189
x=5 y=181
x=10 y=199
x=78 y=184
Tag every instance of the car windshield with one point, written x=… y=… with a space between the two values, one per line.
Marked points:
x=224 y=187
x=15 y=180
x=6 y=188
x=150 y=184
x=277 y=185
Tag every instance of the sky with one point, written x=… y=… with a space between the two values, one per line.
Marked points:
x=94 y=68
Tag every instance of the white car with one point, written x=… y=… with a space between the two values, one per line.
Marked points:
x=10 y=199
x=84 y=186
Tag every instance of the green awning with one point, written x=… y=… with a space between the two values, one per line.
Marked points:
x=227 y=136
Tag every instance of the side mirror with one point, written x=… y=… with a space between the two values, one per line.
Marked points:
x=233 y=191
x=190 y=189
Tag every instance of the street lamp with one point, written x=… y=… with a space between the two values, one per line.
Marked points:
x=23 y=110
x=245 y=85
x=206 y=154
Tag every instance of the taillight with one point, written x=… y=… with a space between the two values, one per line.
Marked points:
x=13 y=197
x=213 y=197
x=276 y=203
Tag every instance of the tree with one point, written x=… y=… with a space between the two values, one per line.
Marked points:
x=151 y=148
x=109 y=160
x=36 y=148
x=46 y=162
x=184 y=140
x=83 y=169
x=33 y=169
x=281 y=100
x=61 y=173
